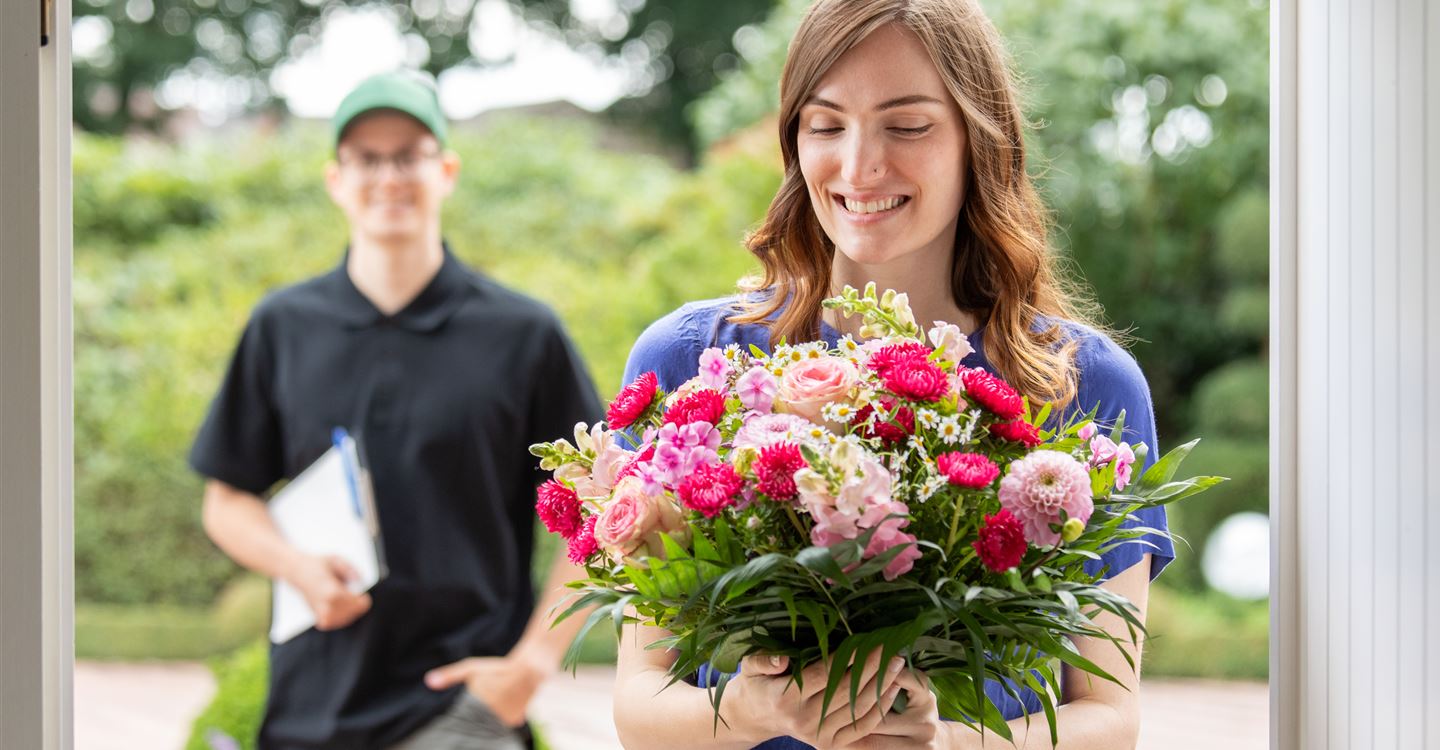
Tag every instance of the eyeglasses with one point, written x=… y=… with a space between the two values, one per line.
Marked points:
x=368 y=166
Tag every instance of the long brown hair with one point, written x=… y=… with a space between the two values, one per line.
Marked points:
x=1005 y=272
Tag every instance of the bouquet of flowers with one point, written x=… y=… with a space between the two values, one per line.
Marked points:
x=823 y=503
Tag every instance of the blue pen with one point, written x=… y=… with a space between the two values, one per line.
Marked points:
x=342 y=442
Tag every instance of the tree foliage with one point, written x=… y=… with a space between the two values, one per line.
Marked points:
x=678 y=48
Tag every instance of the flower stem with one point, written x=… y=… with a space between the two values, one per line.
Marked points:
x=795 y=520
x=954 y=525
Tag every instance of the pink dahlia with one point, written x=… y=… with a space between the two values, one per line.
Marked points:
x=632 y=401
x=761 y=430
x=775 y=470
x=890 y=429
x=1001 y=543
x=969 y=470
x=583 y=545
x=917 y=379
x=890 y=355
x=992 y=393
x=704 y=405
x=710 y=488
x=559 y=508
x=1043 y=489
x=1018 y=431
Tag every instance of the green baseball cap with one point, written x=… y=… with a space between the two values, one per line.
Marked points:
x=410 y=92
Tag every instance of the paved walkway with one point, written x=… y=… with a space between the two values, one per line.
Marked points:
x=150 y=706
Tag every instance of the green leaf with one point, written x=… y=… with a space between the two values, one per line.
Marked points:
x=1165 y=468
x=1117 y=433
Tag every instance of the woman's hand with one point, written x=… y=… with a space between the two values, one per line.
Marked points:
x=768 y=702
x=918 y=727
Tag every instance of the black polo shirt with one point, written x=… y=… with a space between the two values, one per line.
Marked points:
x=446 y=396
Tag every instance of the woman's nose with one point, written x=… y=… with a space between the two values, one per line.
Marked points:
x=862 y=160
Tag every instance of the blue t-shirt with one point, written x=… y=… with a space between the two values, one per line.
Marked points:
x=1108 y=375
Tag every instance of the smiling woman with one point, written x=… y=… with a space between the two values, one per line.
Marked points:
x=905 y=168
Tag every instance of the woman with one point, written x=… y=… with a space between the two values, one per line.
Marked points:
x=904 y=165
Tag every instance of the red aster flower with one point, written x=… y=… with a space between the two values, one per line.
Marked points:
x=889 y=356
x=891 y=430
x=1001 y=543
x=583 y=544
x=631 y=402
x=704 y=405
x=710 y=489
x=970 y=470
x=559 y=508
x=917 y=379
x=1018 y=431
x=775 y=469
x=992 y=393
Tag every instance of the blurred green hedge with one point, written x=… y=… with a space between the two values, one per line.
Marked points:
x=160 y=299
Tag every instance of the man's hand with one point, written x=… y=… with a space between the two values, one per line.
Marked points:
x=505 y=684
x=323 y=581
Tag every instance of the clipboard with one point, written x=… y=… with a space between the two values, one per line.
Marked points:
x=329 y=509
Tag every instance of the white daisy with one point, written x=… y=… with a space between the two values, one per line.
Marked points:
x=949 y=429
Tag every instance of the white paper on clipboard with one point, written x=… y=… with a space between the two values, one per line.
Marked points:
x=328 y=510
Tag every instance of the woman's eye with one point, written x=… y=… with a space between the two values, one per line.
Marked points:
x=921 y=130
x=823 y=131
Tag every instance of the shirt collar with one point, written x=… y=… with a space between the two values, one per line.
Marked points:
x=434 y=305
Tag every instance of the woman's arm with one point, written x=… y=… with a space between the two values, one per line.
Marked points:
x=1096 y=714
x=759 y=704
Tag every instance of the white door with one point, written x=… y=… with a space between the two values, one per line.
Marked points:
x=35 y=416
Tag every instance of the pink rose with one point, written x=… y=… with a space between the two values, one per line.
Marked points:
x=633 y=521
x=810 y=384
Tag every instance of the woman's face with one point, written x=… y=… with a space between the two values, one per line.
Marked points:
x=882 y=149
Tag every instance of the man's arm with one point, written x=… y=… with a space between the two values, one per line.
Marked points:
x=506 y=684
x=240 y=526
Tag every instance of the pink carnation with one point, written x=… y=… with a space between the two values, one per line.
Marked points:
x=704 y=405
x=917 y=379
x=710 y=488
x=583 y=545
x=969 y=470
x=632 y=401
x=775 y=470
x=1044 y=489
x=559 y=508
x=992 y=393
